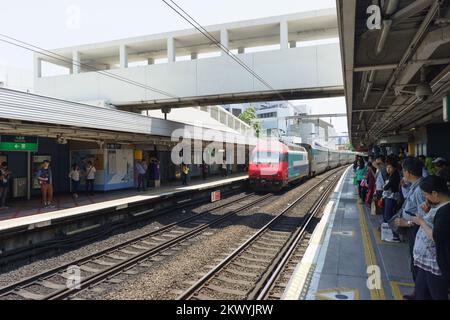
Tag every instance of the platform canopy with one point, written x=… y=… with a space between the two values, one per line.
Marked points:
x=36 y=115
x=396 y=56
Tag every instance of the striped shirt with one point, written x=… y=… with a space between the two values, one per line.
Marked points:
x=424 y=252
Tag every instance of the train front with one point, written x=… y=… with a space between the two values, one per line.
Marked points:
x=268 y=168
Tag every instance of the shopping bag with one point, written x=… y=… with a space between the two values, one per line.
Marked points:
x=386 y=232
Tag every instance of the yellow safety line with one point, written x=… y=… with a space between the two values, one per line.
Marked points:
x=395 y=286
x=369 y=252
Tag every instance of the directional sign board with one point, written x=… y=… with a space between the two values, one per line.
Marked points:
x=18 y=143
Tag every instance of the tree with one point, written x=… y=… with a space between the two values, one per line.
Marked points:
x=248 y=116
x=349 y=146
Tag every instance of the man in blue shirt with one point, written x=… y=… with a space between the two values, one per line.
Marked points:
x=45 y=179
x=141 y=169
x=412 y=173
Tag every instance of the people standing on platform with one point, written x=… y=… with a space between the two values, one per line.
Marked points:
x=412 y=172
x=224 y=168
x=90 y=178
x=429 y=165
x=370 y=183
x=204 y=170
x=156 y=172
x=425 y=172
x=5 y=176
x=141 y=169
x=45 y=178
x=74 y=176
x=184 y=173
x=360 y=174
x=391 y=196
x=380 y=176
x=432 y=246
x=355 y=163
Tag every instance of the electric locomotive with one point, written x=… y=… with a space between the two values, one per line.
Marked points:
x=273 y=165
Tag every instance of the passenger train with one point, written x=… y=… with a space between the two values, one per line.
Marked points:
x=274 y=165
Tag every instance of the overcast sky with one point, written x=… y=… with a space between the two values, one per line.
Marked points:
x=49 y=24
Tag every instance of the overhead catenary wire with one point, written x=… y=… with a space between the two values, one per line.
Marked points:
x=216 y=42
x=59 y=57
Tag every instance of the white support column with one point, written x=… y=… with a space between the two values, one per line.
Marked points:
x=37 y=67
x=123 y=56
x=76 y=60
x=284 y=35
x=224 y=40
x=241 y=50
x=194 y=55
x=171 y=50
x=150 y=61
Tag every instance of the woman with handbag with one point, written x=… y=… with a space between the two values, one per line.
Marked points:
x=370 y=178
x=360 y=174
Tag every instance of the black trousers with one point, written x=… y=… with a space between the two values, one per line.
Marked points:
x=430 y=286
x=141 y=181
x=90 y=185
x=411 y=236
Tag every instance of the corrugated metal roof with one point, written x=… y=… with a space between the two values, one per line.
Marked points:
x=30 y=107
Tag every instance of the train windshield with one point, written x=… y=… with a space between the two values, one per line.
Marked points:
x=265 y=157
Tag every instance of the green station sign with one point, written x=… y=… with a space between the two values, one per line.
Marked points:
x=18 y=143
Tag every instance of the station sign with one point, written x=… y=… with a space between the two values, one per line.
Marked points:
x=446 y=104
x=18 y=143
x=113 y=146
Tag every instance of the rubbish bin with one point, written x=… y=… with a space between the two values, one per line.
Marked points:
x=19 y=187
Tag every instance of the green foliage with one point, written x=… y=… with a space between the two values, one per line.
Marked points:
x=248 y=116
x=349 y=146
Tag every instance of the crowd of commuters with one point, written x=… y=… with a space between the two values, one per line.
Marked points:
x=413 y=194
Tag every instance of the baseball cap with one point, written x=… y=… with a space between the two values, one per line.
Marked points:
x=439 y=159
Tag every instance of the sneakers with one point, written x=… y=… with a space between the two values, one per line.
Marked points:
x=394 y=240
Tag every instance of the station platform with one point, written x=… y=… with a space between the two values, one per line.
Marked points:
x=30 y=212
x=346 y=259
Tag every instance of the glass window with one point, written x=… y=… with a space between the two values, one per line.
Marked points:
x=265 y=157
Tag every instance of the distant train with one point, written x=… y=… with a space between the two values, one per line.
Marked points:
x=274 y=165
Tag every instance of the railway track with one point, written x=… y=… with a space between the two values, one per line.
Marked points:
x=70 y=279
x=257 y=268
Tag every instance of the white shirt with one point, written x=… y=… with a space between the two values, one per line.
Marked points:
x=90 y=173
x=74 y=175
